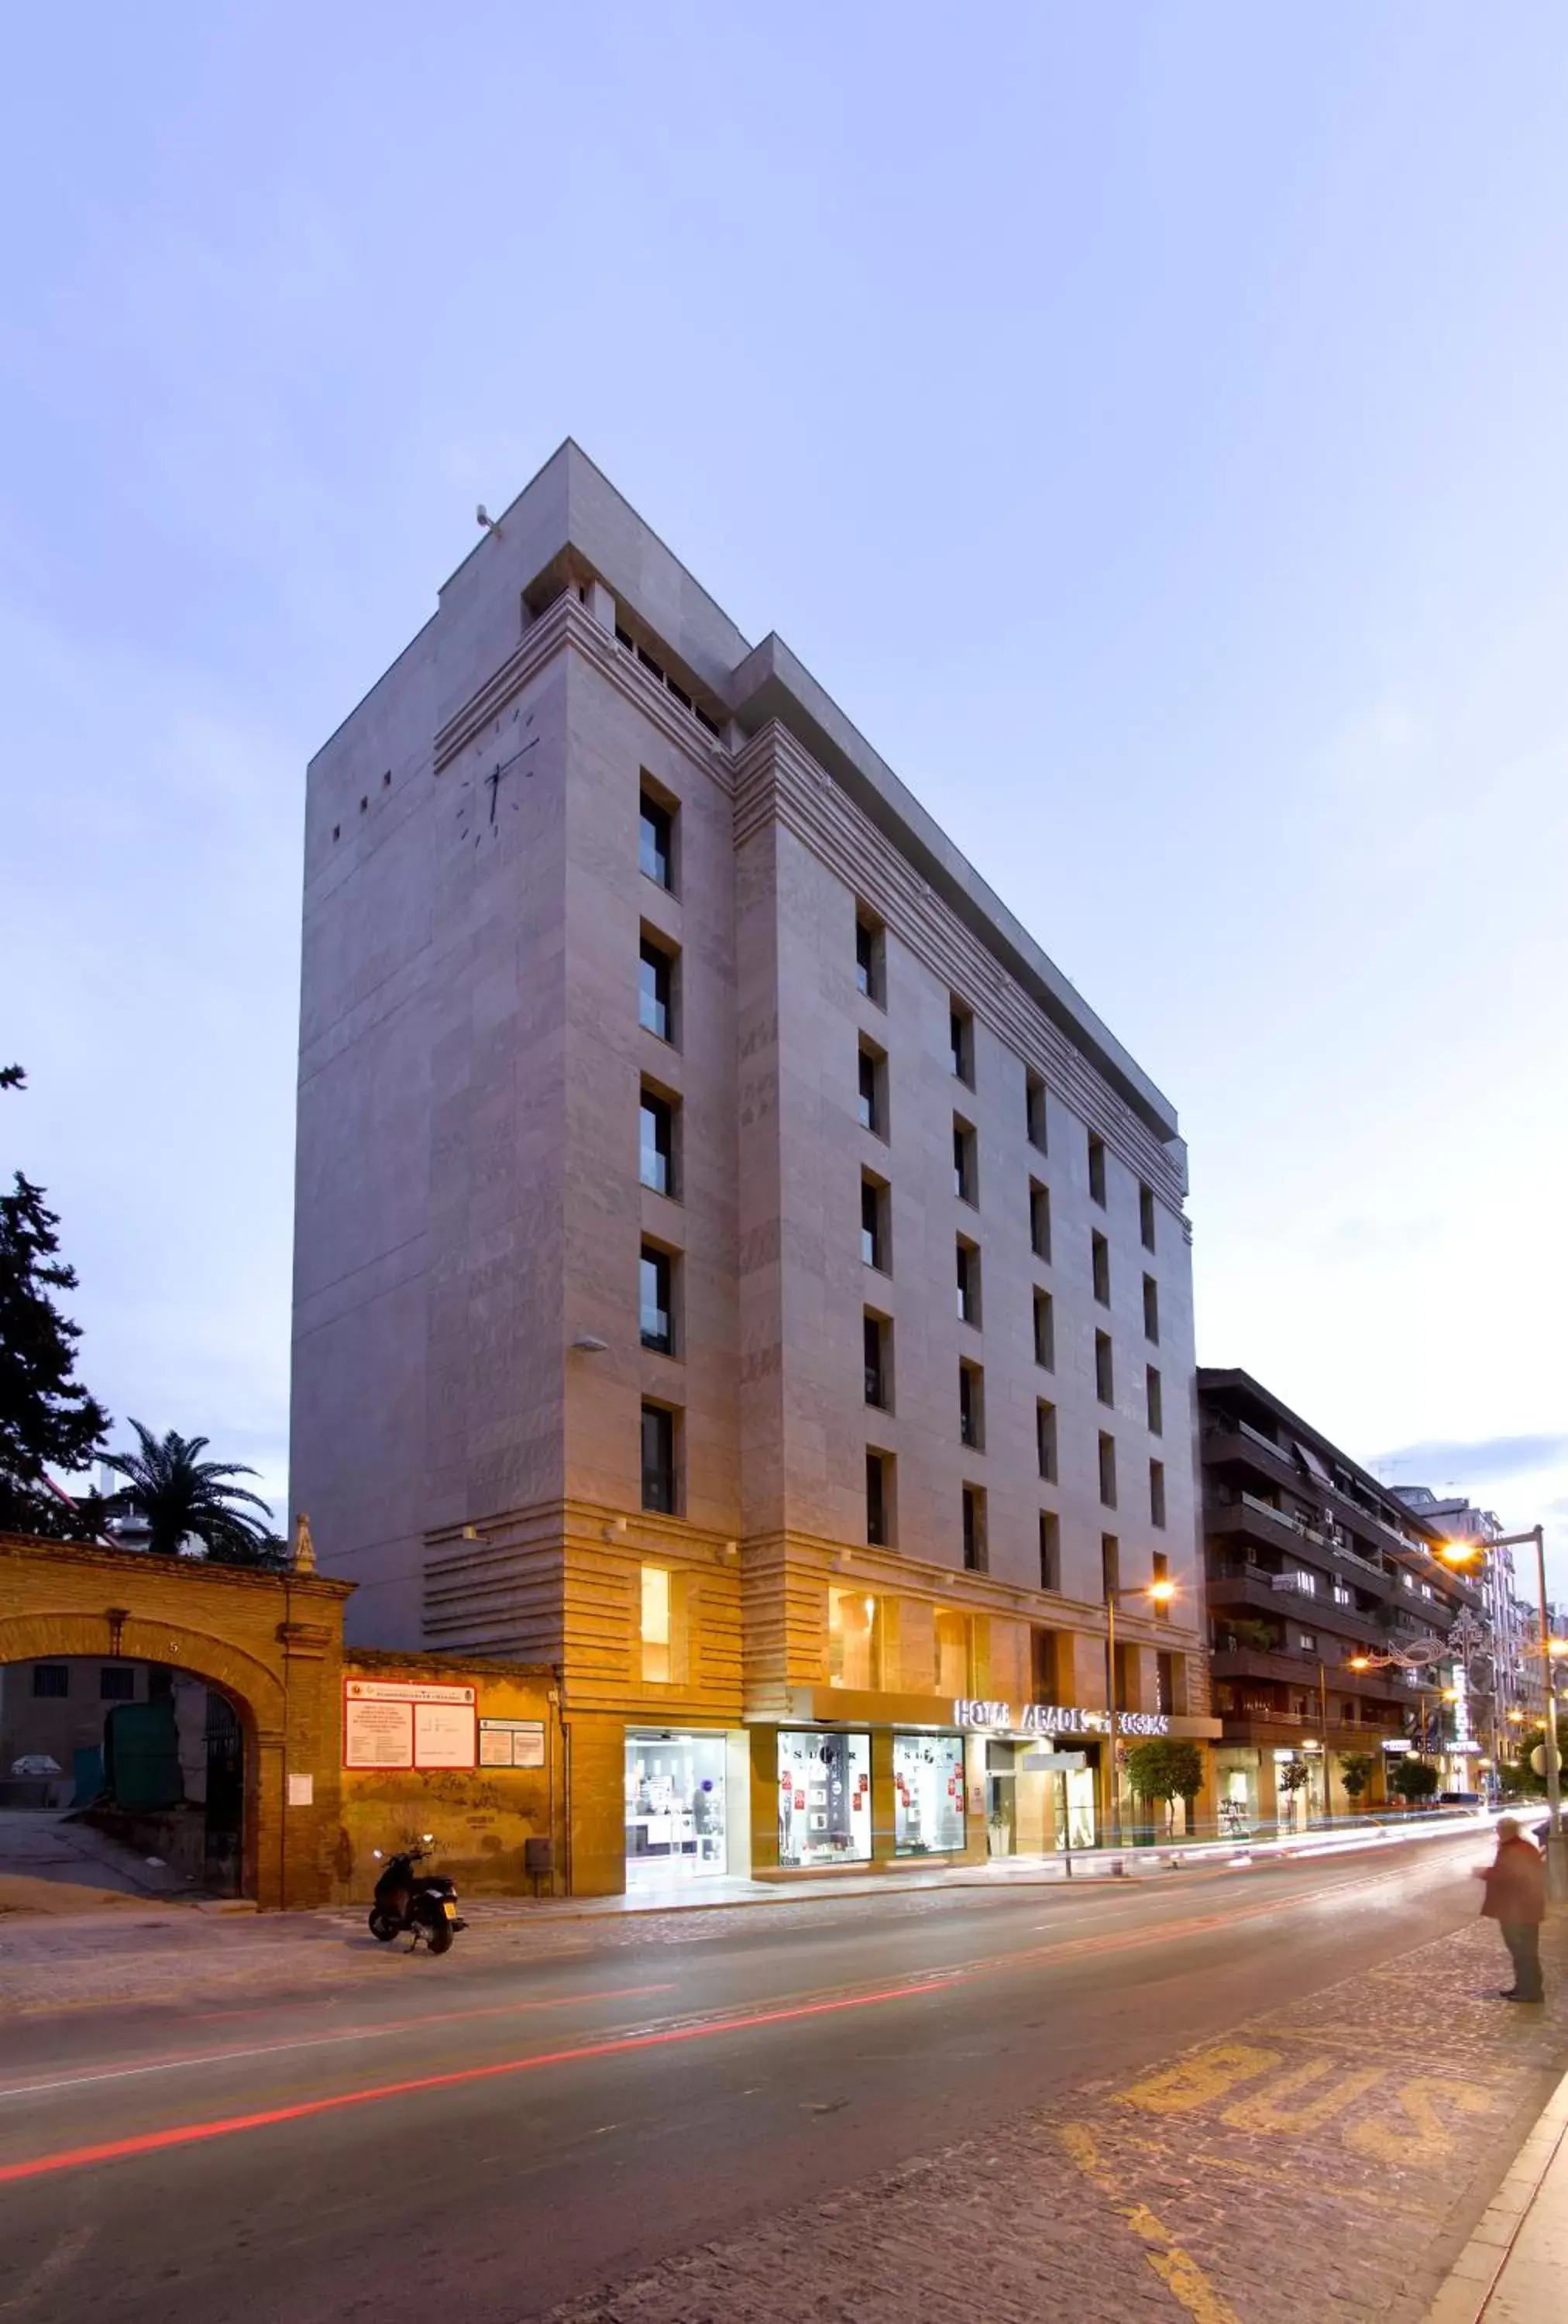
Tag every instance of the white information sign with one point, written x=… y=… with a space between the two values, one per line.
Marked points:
x=407 y=1723
x=511 y=1742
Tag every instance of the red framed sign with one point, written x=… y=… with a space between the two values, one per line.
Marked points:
x=409 y=1723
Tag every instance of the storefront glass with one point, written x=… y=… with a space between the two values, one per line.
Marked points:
x=675 y=1806
x=1236 y=1780
x=825 y=1797
x=928 y=1795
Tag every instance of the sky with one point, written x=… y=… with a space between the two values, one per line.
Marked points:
x=1147 y=424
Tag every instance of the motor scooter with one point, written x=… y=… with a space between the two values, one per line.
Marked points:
x=416 y=1904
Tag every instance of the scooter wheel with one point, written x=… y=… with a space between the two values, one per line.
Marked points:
x=382 y=1929
x=439 y=1935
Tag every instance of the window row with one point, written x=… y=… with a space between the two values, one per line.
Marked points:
x=51 y=1683
x=878 y=1335
x=881 y=1474
x=870 y=979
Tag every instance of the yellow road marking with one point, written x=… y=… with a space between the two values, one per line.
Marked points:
x=1177 y=2269
x=1199 y=2080
x=1271 y=2109
x=1428 y=2133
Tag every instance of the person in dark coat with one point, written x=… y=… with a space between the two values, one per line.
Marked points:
x=1516 y=1899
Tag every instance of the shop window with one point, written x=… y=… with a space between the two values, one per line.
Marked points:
x=675 y=1806
x=656 y=1620
x=953 y=1657
x=928 y=1817
x=825 y=1797
x=855 y=1640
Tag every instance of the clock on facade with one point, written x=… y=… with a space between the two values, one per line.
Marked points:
x=483 y=801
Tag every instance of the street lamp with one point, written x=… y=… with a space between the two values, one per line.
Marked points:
x=1153 y=1593
x=1462 y=1553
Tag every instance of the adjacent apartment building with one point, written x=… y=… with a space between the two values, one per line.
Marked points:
x=1336 y=1630
x=732 y=1263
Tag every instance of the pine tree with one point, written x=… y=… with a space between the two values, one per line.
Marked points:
x=46 y=1417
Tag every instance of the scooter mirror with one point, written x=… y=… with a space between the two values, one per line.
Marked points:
x=376 y=1853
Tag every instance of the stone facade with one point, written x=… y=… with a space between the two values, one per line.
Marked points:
x=469 y=1372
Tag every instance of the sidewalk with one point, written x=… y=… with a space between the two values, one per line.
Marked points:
x=1514 y=2270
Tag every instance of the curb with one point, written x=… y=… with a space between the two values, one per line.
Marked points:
x=1473 y=2277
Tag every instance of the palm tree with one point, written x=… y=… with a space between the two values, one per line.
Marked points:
x=180 y=1498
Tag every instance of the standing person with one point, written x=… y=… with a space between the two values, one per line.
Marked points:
x=1516 y=1899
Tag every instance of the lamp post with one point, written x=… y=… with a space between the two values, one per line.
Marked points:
x=1156 y=1593
x=1461 y=1553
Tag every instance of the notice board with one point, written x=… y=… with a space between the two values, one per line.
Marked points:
x=408 y=1723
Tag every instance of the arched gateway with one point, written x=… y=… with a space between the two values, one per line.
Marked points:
x=271 y=1643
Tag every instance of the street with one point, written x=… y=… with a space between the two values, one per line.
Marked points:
x=553 y=2108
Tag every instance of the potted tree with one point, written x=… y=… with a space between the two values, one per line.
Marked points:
x=1356 y=1775
x=1291 y=1778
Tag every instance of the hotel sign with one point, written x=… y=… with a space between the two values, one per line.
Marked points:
x=1055 y=1719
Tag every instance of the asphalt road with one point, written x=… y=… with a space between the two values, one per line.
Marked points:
x=499 y=2132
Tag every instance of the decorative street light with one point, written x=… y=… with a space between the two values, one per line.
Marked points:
x=1465 y=1553
x=1153 y=1593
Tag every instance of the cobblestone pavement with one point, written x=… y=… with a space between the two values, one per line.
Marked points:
x=1321 y=2165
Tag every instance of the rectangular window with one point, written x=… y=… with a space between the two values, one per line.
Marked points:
x=1096 y=1170
x=656 y=1641
x=1045 y=1331
x=1050 y=1550
x=1107 y=1471
x=975 y=1557
x=1100 y=1262
x=873 y=1090
x=1165 y=1687
x=878 y=1335
x=1157 y=1493
x=965 y=1175
x=953 y=1673
x=51 y=1681
x=659 y=1458
x=657 y=1157
x=656 y=991
x=1161 y=1572
x=1151 y=1309
x=117 y=1684
x=656 y=1307
x=961 y=1042
x=855 y=1640
x=1042 y=1665
x=1040 y=1220
x=1035 y=1112
x=869 y=957
x=1104 y=1376
x=874 y=1246
x=1146 y=1215
x=968 y=1283
x=880 y=1499
x=656 y=843
x=1110 y=1566
x=971 y=1407
x=1156 y=1401
x=1045 y=1440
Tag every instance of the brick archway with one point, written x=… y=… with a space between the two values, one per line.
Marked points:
x=271 y=1643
